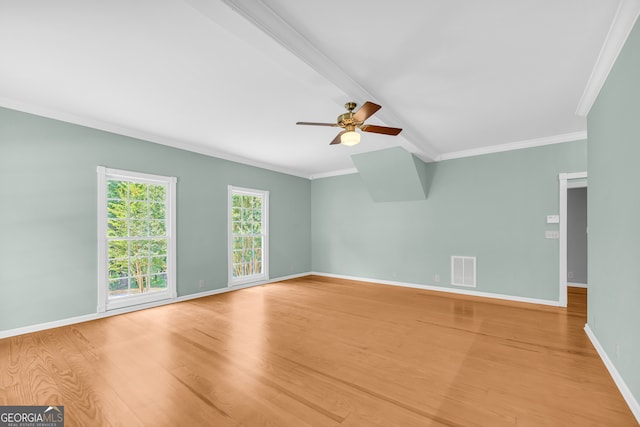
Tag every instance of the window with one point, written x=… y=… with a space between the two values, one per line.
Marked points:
x=248 y=235
x=136 y=238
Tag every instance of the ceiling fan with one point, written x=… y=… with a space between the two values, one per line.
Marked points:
x=349 y=121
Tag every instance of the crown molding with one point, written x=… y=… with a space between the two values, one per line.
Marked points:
x=194 y=148
x=266 y=19
x=530 y=143
x=139 y=134
x=623 y=22
x=333 y=173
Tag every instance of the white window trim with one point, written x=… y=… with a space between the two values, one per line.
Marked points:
x=104 y=174
x=233 y=281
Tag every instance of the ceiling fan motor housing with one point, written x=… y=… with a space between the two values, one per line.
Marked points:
x=346 y=119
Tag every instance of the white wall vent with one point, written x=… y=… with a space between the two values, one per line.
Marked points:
x=463 y=271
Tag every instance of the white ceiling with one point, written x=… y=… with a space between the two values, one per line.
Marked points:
x=231 y=77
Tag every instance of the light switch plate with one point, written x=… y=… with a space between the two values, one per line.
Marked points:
x=553 y=219
x=552 y=234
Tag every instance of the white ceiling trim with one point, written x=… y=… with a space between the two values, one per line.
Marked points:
x=149 y=137
x=137 y=134
x=623 y=22
x=556 y=139
x=265 y=18
x=334 y=173
x=146 y=136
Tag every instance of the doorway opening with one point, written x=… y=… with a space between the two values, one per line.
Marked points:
x=569 y=182
x=577 y=272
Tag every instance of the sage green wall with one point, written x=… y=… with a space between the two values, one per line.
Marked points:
x=614 y=214
x=48 y=215
x=392 y=175
x=491 y=206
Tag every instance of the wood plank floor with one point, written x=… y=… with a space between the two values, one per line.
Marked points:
x=321 y=352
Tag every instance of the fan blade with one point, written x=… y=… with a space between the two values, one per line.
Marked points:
x=337 y=140
x=366 y=111
x=317 y=124
x=380 y=129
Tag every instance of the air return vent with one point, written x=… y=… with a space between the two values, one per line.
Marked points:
x=463 y=271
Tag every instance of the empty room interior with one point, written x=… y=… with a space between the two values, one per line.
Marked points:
x=261 y=212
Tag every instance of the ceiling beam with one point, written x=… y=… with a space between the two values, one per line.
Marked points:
x=272 y=24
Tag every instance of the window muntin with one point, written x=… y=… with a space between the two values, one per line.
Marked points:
x=248 y=235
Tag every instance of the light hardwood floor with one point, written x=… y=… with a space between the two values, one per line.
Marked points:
x=321 y=352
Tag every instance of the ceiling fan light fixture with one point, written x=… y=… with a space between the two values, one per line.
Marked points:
x=349 y=121
x=350 y=138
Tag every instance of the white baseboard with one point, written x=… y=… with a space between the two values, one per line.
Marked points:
x=577 y=285
x=617 y=378
x=444 y=289
x=94 y=316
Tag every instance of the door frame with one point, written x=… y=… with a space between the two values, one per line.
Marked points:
x=579 y=181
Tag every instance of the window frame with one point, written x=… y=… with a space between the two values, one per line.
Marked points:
x=104 y=174
x=264 y=276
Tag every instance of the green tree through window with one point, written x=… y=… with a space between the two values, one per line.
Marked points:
x=248 y=235
x=137 y=237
